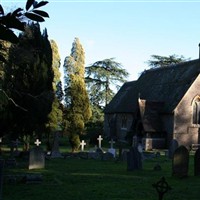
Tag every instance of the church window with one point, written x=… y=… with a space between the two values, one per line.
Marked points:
x=196 y=111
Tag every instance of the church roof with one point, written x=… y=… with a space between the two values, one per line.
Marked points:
x=166 y=84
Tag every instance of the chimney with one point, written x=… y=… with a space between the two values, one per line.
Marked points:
x=199 y=50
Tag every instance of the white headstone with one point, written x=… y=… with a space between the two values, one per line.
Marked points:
x=37 y=142
x=99 y=139
x=82 y=145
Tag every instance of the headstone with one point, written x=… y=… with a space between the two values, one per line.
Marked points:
x=82 y=144
x=180 y=162
x=36 y=157
x=11 y=161
x=161 y=187
x=55 y=152
x=111 y=149
x=172 y=147
x=99 y=139
x=197 y=162
x=134 y=159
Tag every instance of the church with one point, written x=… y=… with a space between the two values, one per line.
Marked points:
x=163 y=104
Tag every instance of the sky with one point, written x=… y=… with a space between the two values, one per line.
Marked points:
x=129 y=31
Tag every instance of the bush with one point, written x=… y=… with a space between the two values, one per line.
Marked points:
x=74 y=141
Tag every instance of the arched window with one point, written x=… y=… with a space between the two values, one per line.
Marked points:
x=196 y=111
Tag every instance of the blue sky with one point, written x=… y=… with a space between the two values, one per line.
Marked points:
x=129 y=31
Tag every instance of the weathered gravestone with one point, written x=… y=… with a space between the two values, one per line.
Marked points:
x=134 y=159
x=36 y=157
x=197 y=162
x=55 y=152
x=111 y=149
x=172 y=147
x=161 y=187
x=180 y=162
x=100 y=139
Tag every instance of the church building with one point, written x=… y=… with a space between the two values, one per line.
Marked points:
x=163 y=104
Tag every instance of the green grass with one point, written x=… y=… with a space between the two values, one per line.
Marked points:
x=80 y=179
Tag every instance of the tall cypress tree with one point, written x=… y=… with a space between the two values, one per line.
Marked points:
x=78 y=110
x=28 y=82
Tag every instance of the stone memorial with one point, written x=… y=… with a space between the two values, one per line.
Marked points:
x=180 y=162
x=36 y=157
x=100 y=139
x=111 y=149
x=197 y=162
x=82 y=144
x=55 y=152
x=134 y=159
x=172 y=147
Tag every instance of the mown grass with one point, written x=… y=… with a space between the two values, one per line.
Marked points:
x=81 y=179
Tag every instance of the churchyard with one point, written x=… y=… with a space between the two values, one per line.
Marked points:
x=92 y=173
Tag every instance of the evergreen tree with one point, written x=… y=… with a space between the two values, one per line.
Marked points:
x=28 y=81
x=101 y=77
x=77 y=104
x=164 y=61
x=55 y=116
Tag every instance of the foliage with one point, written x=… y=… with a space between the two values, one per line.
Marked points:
x=17 y=20
x=77 y=105
x=100 y=77
x=55 y=116
x=164 y=61
x=28 y=80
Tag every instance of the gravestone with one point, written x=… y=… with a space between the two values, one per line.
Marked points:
x=100 y=139
x=55 y=152
x=36 y=157
x=172 y=147
x=197 y=162
x=180 y=162
x=82 y=144
x=134 y=159
x=111 y=149
x=162 y=187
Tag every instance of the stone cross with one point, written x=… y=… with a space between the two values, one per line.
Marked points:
x=99 y=139
x=37 y=142
x=82 y=145
x=111 y=143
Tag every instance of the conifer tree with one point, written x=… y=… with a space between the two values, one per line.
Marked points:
x=77 y=104
x=28 y=82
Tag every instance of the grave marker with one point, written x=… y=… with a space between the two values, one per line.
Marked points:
x=180 y=162
x=36 y=157
x=99 y=139
x=134 y=159
x=111 y=149
x=82 y=145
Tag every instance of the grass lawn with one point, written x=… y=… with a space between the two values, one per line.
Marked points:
x=81 y=179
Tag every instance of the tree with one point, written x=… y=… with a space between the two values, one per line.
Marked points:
x=55 y=117
x=77 y=104
x=10 y=22
x=28 y=80
x=164 y=61
x=101 y=77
